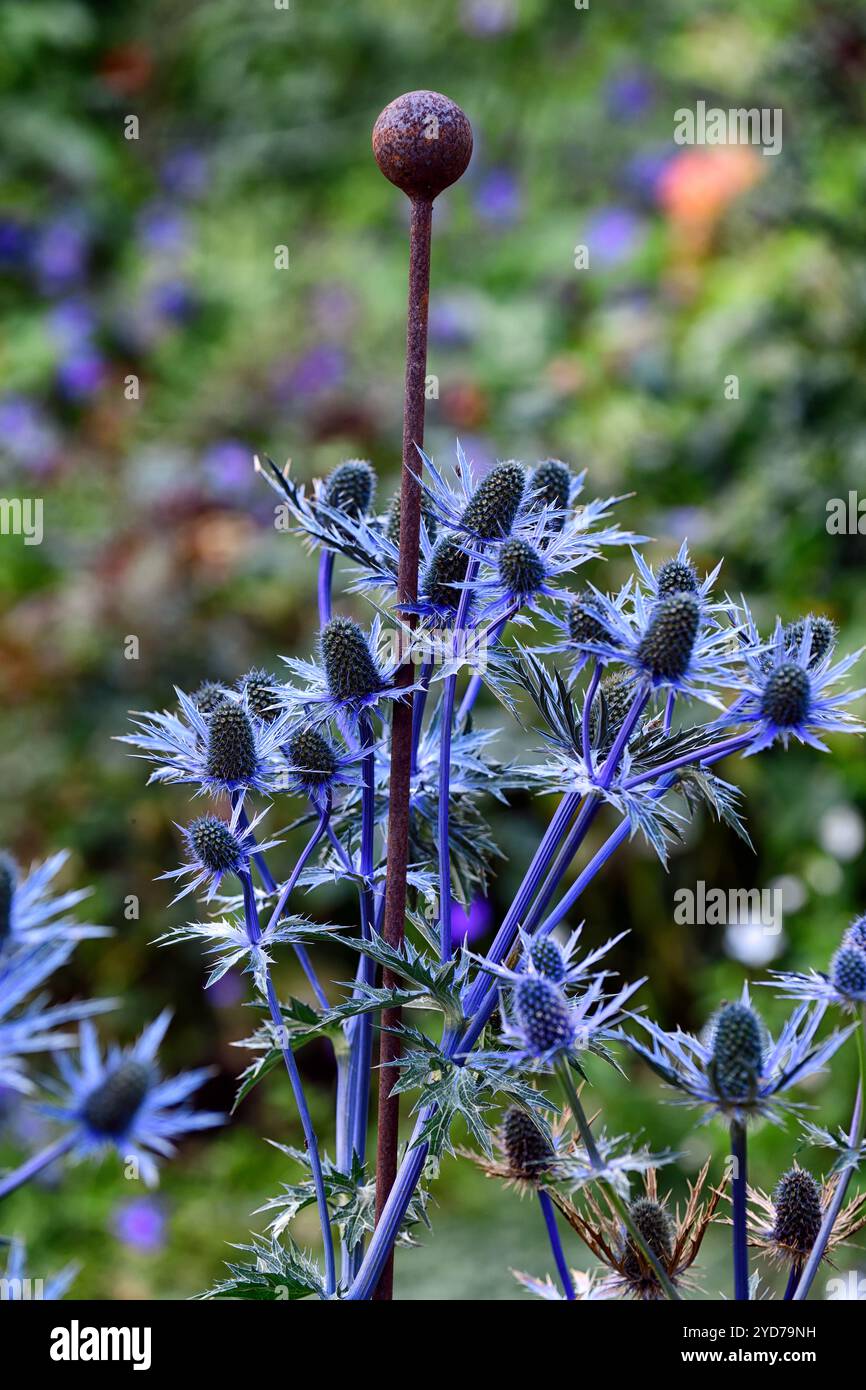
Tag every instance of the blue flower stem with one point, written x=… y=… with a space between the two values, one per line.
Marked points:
x=35 y=1165
x=419 y=704
x=251 y=917
x=586 y=741
x=855 y=1139
x=741 y=1235
x=289 y=886
x=326 y=575
x=669 y=710
x=566 y=1081
x=480 y=1002
x=362 y=1034
x=793 y=1280
x=549 y=1214
x=712 y=754
x=301 y=952
x=446 y=721
x=473 y=689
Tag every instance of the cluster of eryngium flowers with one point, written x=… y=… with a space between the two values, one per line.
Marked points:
x=116 y=1101
x=617 y=691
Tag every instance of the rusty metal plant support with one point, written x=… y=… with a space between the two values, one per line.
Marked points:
x=422 y=143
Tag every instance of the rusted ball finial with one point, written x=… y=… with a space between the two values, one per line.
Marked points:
x=422 y=143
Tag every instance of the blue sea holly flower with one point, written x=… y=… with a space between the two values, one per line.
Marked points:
x=550 y=486
x=856 y=933
x=227 y=752
x=676 y=575
x=31 y=913
x=208 y=696
x=262 y=691
x=542 y=1018
x=121 y=1102
x=543 y=955
x=215 y=849
x=670 y=643
x=738 y=1070
x=544 y=1023
x=584 y=628
x=315 y=763
x=486 y=510
x=30 y=1027
x=844 y=985
x=784 y=695
x=355 y=674
x=350 y=488
x=785 y=1226
x=824 y=636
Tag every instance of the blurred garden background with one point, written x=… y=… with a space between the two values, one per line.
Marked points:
x=154 y=258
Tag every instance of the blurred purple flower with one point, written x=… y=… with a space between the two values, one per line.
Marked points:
x=25 y=433
x=451 y=322
x=185 y=173
x=644 y=171
x=171 y=301
x=163 y=229
x=471 y=927
x=15 y=243
x=140 y=1223
x=613 y=234
x=334 y=308
x=321 y=369
x=72 y=323
x=81 y=374
x=487 y=18
x=226 y=991
x=228 y=465
x=629 y=94
x=60 y=253
x=497 y=197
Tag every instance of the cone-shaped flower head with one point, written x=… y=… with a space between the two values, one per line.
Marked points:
x=392 y=521
x=521 y=568
x=494 y=505
x=824 y=634
x=350 y=487
x=209 y=697
x=787 y=696
x=546 y=959
x=655 y=1224
x=231 y=745
x=738 y=1051
x=311 y=757
x=447 y=568
x=111 y=1107
x=550 y=484
x=583 y=625
x=612 y=703
x=260 y=688
x=527 y=1150
x=543 y=1015
x=350 y=670
x=848 y=971
x=666 y=647
x=676 y=576
x=797 y=1202
x=856 y=933
x=215 y=845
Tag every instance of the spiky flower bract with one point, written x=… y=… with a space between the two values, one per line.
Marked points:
x=228 y=751
x=844 y=985
x=785 y=1226
x=216 y=848
x=674 y=1237
x=31 y=912
x=351 y=487
x=28 y=1024
x=19 y=1285
x=785 y=694
x=120 y=1101
x=676 y=575
x=356 y=673
x=721 y=1072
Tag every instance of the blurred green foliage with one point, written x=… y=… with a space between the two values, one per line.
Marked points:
x=154 y=258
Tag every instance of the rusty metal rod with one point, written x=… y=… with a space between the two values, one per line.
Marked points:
x=422 y=143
